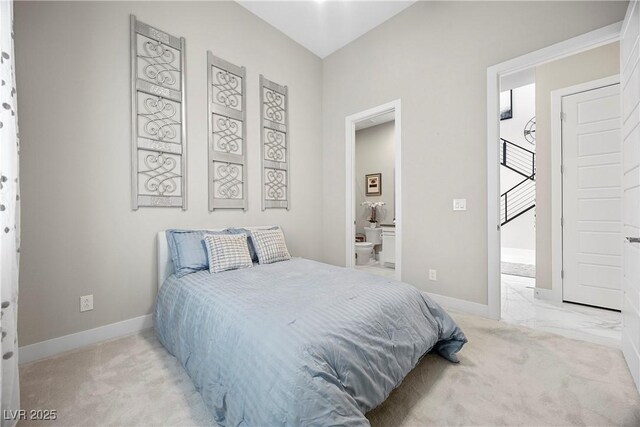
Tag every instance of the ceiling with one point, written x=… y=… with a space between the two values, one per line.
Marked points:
x=324 y=26
x=518 y=79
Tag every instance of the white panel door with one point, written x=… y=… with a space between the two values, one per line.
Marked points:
x=592 y=198
x=630 y=72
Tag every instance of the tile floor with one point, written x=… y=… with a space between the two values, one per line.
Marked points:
x=571 y=320
x=518 y=256
x=374 y=267
x=519 y=307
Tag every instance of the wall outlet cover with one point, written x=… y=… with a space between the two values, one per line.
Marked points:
x=433 y=275
x=86 y=303
x=459 y=204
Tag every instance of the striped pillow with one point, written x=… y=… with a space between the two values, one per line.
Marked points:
x=227 y=252
x=252 y=250
x=270 y=246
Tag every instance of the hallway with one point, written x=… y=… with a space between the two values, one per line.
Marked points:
x=570 y=320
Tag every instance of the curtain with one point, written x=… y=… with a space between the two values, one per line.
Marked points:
x=9 y=219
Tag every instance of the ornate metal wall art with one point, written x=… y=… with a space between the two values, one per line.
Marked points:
x=227 y=130
x=158 y=143
x=274 y=119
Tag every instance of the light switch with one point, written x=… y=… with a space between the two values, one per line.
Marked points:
x=459 y=204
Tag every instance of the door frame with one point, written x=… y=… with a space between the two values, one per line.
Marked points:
x=557 y=248
x=581 y=43
x=350 y=178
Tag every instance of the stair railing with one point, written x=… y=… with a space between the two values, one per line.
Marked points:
x=518 y=159
x=520 y=198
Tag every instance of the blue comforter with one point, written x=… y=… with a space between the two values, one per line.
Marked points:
x=298 y=342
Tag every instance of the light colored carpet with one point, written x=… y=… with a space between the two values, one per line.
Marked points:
x=518 y=269
x=508 y=375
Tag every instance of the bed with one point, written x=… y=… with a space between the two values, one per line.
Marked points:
x=296 y=342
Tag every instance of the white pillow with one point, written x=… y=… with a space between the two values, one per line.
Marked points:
x=270 y=246
x=227 y=252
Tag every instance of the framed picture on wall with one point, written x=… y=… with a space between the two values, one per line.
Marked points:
x=373 y=184
x=506 y=109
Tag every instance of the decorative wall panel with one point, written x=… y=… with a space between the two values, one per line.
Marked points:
x=274 y=119
x=227 y=130
x=158 y=166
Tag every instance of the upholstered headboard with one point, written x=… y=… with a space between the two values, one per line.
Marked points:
x=165 y=264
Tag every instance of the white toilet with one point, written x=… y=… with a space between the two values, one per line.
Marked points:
x=364 y=250
x=374 y=235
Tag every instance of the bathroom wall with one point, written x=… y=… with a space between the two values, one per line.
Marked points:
x=375 y=154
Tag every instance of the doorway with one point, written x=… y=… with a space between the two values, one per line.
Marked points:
x=586 y=180
x=582 y=43
x=544 y=300
x=518 y=195
x=373 y=228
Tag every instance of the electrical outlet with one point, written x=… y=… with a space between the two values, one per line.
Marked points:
x=86 y=303
x=433 y=275
x=459 y=204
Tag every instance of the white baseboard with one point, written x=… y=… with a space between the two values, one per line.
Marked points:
x=547 y=294
x=54 y=346
x=460 y=305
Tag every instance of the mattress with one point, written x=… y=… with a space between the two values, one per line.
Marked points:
x=298 y=342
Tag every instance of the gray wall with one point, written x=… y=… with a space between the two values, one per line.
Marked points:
x=79 y=235
x=375 y=153
x=434 y=56
x=581 y=68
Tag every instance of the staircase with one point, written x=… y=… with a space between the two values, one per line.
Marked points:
x=520 y=198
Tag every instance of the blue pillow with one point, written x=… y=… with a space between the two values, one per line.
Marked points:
x=252 y=249
x=188 y=251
